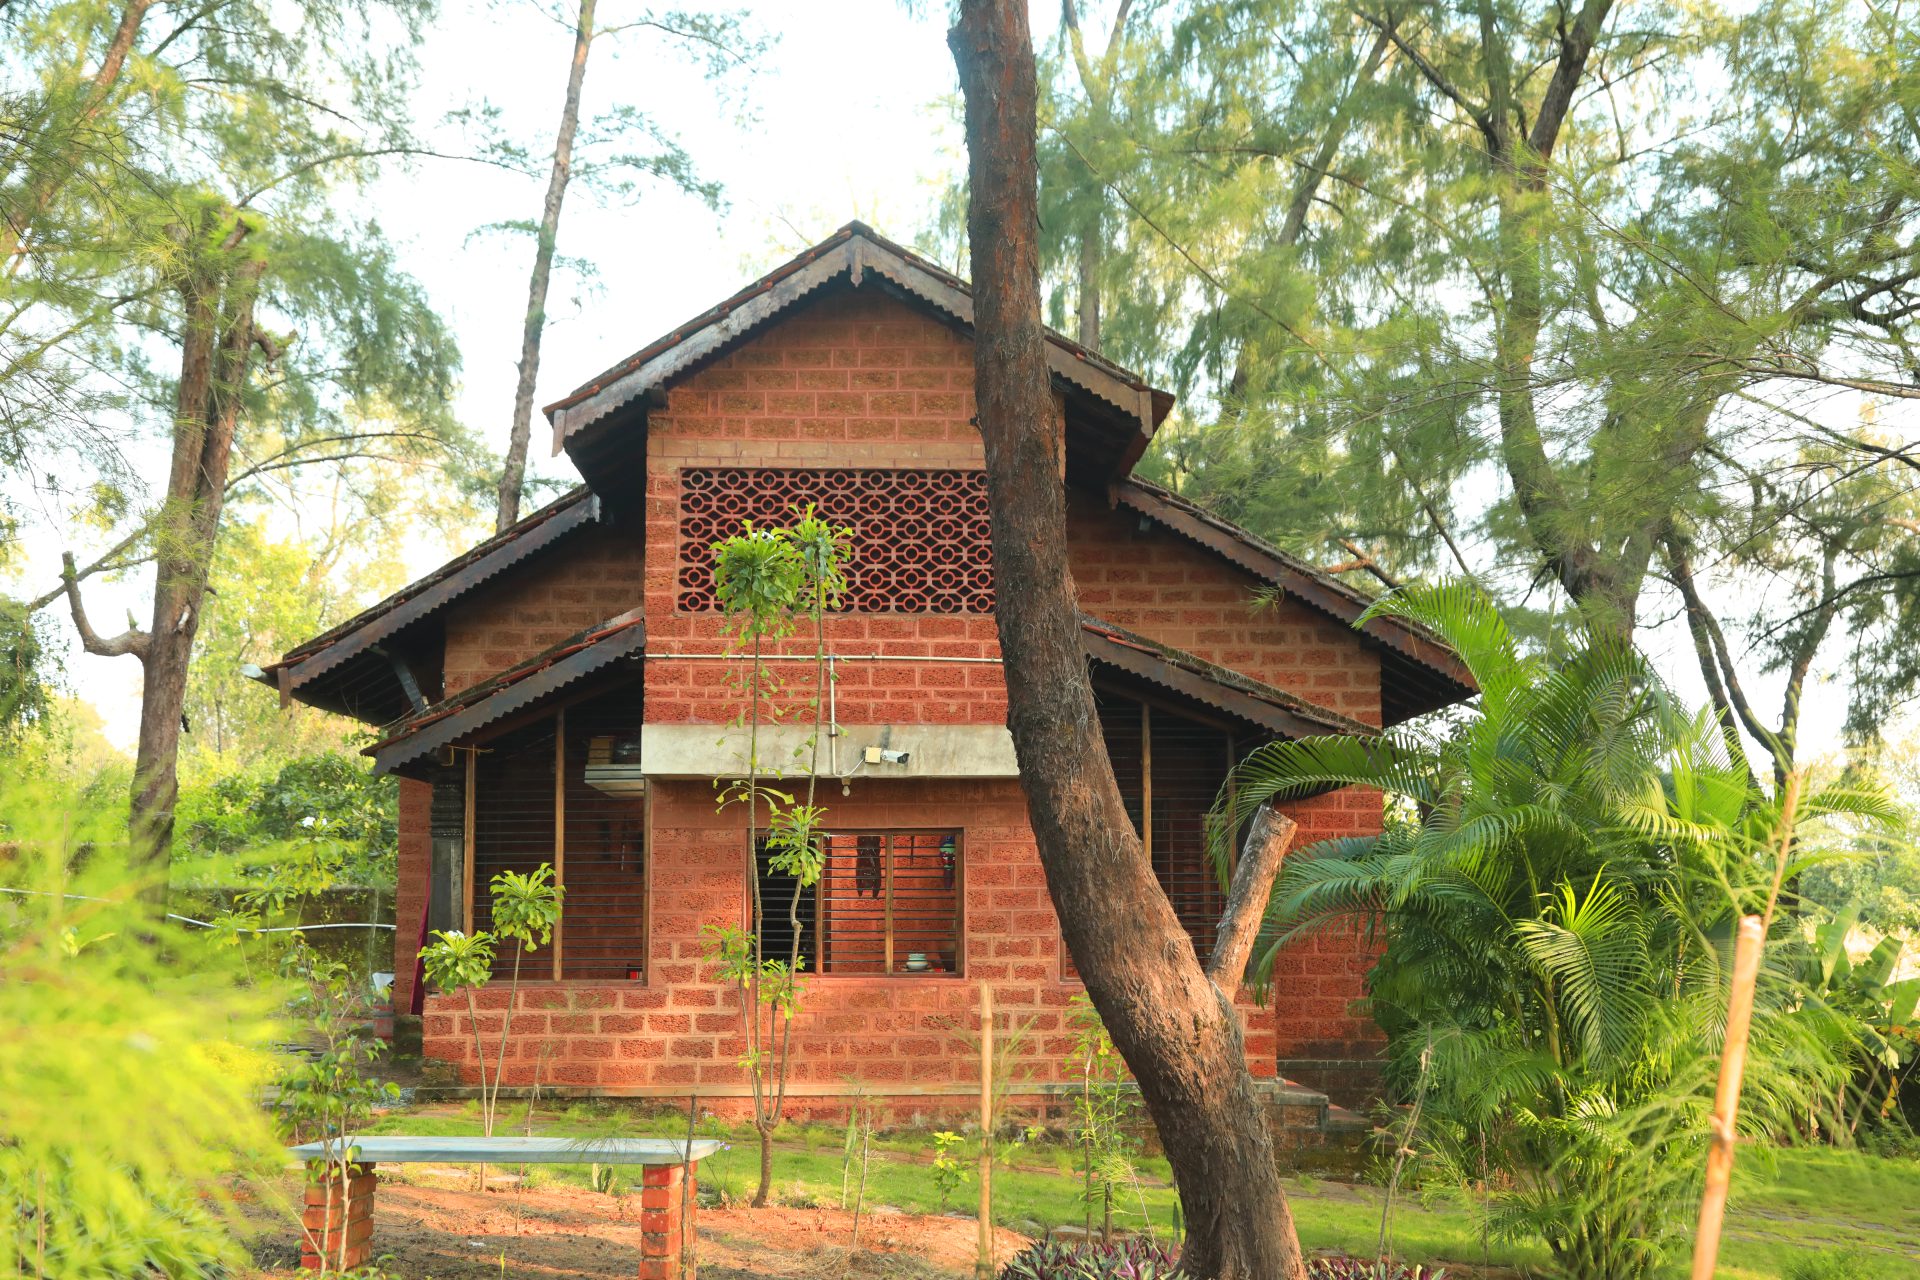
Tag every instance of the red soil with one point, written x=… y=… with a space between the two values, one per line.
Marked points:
x=425 y=1231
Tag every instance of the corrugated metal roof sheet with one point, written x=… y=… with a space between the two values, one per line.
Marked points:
x=515 y=689
x=484 y=560
x=1282 y=713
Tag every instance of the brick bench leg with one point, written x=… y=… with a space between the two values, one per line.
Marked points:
x=666 y=1191
x=334 y=1213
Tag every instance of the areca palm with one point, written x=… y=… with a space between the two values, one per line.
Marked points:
x=1558 y=886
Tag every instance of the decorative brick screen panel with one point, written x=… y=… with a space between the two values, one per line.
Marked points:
x=920 y=539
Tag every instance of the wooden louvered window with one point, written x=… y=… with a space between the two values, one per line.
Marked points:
x=1170 y=770
x=599 y=850
x=888 y=902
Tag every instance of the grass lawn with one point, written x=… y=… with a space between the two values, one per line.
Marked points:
x=1788 y=1206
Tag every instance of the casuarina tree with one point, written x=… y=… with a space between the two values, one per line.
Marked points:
x=1171 y=1016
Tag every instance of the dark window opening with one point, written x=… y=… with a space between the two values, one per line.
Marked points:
x=887 y=902
x=602 y=863
x=1173 y=767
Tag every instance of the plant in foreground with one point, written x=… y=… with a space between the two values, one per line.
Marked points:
x=1138 y=1258
x=1128 y=1258
x=948 y=1173
x=1558 y=917
x=768 y=581
x=129 y=1088
x=525 y=910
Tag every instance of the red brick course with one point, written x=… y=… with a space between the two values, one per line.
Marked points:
x=1167 y=589
x=333 y=1215
x=594 y=574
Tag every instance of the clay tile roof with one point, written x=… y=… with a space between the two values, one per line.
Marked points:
x=1242 y=697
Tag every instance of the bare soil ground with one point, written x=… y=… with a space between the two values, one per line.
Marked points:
x=431 y=1228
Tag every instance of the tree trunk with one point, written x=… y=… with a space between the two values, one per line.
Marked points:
x=513 y=471
x=215 y=354
x=1177 y=1031
x=1089 y=317
x=765 y=1189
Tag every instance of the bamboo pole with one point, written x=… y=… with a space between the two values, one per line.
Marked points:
x=1733 y=1058
x=559 y=826
x=1726 y=1098
x=983 y=1265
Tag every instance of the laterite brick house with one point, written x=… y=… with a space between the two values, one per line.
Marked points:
x=561 y=693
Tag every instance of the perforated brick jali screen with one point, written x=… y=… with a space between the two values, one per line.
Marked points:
x=920 y=538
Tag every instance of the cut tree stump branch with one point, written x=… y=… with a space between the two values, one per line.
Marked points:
x=1267 y=843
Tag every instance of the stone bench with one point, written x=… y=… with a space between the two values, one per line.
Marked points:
x=336 y=1214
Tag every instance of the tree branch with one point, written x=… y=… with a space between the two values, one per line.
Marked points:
x=132 y=640
x=1362 y=559
x=1698 y=614
x=1390 y=27
x=1267 y=843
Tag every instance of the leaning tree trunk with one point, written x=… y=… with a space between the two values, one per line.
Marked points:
x=1172 y=1021
x=514 y=470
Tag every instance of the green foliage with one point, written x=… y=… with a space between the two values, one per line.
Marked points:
x=134 y=1055
x=325 y=1094
x=1830 y=1264
x=1879 y=872
x=1131 y=1258
x=526 y=907
x=29 y=675
x=1370 y=1269
x=456 y=961
x=757 y=579
x=1557 y=923
x=1412 y=304
x=948 y=1173
x=1103 y=1114
x=329 y=797
x=1882 y=1009
x=769 y=581
x=795 y=841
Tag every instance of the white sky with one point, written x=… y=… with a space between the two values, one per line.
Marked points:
x=851 y=116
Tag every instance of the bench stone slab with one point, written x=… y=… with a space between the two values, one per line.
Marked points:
x=400 y=1149
x=337 y=1224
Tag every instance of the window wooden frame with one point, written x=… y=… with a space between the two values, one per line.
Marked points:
x=889 y=966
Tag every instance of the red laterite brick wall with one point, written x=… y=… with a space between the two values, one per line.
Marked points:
x=853 y=381
x=1167 y=589
x=861 y=380
x=539 y=603
x=410 y=895
x=903 y=1038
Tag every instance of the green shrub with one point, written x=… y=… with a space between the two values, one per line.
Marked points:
x=1830 y=1264
x=132 y=1062
x=1134 y=1258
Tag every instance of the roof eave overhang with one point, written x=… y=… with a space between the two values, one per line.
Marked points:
x=853 y=254
x=440 y=727
x=1325 y=597
x=287 y=676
